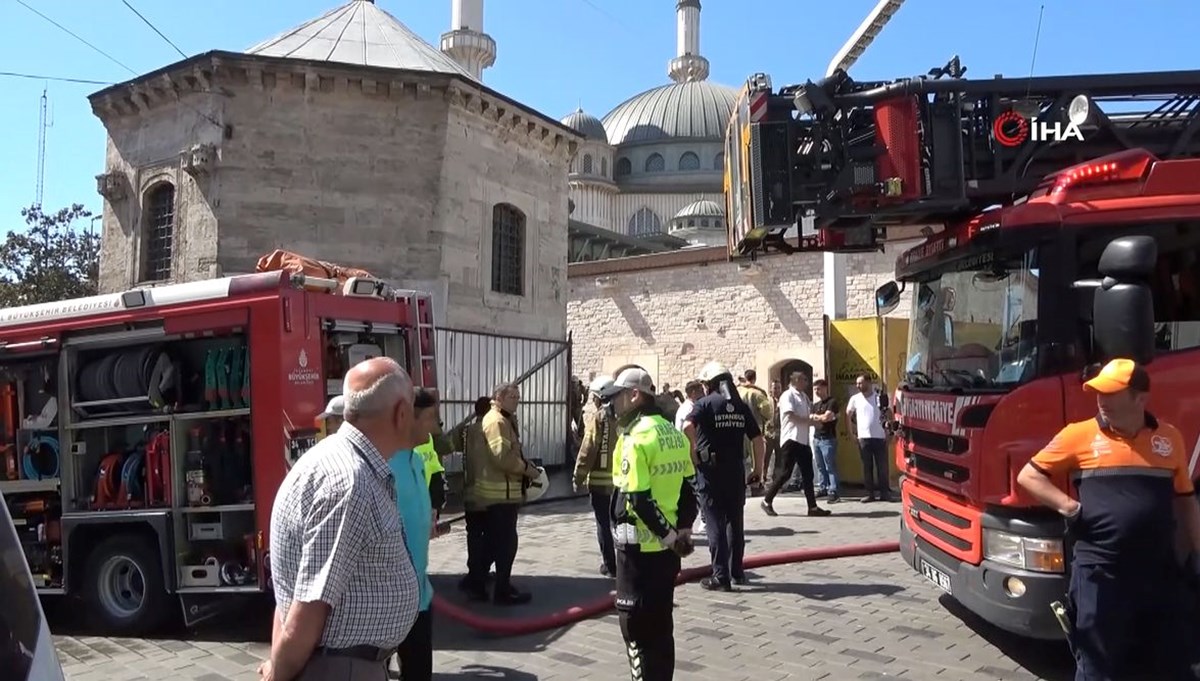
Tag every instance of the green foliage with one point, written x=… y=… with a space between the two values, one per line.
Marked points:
x=53 y=259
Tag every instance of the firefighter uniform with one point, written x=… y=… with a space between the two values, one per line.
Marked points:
x=476 y=456
x=593 y=469
x=760 y=406
x=1126 y=582
x=722 y=424
x=500 y=485
x=652 y=503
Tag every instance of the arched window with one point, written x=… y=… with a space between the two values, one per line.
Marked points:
x=719 y=162
x=603 y=167
x=655 y=164
x=587 y=164
x=624 y=167
x=158 y=220
x=508 y=250
x=644 y=222
x=689 y=161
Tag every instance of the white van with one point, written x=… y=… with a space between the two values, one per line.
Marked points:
x=26 y=649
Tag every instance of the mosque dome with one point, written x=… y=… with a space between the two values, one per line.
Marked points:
x=586 y=124
x=703 y=208
x=696 y=109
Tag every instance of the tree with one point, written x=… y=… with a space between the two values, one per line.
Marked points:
x=51 y=260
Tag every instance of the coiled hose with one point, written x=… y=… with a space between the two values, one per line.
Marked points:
x=499 y=626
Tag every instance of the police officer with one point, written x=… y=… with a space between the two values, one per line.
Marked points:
x=653 y=509
x=428 y=416
x=1130 y=472
x=717 y=427
x=593 y=468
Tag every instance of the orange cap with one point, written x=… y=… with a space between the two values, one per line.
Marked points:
x=1118 y=375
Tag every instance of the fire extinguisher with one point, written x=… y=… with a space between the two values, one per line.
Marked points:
x=196 y=477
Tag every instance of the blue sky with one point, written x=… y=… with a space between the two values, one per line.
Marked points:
x=556 y=54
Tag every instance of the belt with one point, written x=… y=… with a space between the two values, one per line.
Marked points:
x=367 y=653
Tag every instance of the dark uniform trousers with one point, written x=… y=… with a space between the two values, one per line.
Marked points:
x=601 y=500
x=479 y=562
x=645 y=607
x=1120 y=613
x=723 y=504
x=492 y=539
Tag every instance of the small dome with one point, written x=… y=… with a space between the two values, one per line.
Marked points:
x=586 y=124
x=703 y=208
x=691 y=110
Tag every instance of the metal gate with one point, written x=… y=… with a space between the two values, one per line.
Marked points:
x=471 y=364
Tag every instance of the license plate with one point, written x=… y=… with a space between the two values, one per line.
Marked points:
x=939 y=578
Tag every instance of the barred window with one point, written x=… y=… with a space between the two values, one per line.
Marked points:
x=508 y=250
x=587 y=164
x=655 y=164
x=159 y=224
x=603 y=167
x=719 y=162
x=689 y=161
x=644 y=222
x=624 y=167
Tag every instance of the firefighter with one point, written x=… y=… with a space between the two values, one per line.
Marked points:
x=653 y=508
x=470 y=441
x=717 y=426
x=760 y=405
x=593 y=468
x=331 y=419
x=499 y=491
x=1130 y=472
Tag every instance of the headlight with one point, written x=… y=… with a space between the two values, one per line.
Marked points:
x=1027 y=553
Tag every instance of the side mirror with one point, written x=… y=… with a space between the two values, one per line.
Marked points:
x=1123 y=307
x=887 y=297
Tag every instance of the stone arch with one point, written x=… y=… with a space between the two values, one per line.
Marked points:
x=784 y=368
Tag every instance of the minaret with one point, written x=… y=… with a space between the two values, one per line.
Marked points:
x=687 y=65
x=465 y=42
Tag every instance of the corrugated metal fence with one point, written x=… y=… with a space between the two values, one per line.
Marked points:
x=471 y=364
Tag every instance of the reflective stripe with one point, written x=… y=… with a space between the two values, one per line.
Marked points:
x=429 y=458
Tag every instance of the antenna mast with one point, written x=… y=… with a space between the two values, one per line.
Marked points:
x=43 y=123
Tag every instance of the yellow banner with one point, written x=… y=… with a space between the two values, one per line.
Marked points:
x=854 y=348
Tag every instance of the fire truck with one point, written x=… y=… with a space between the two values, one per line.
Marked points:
x=143 y=434
x=1060 y=219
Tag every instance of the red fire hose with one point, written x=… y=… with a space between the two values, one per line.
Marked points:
x=499 y=626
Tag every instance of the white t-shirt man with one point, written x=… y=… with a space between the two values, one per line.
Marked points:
x=794 y=408
x=867 y=415
x=681 y=416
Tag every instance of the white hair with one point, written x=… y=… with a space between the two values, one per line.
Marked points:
x=378 y=397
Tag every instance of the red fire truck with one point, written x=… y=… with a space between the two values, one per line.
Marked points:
x=143 y=434
x=1060 y=231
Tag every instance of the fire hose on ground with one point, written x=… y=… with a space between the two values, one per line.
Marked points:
x=501 y=626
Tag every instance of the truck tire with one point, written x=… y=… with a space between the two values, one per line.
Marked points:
x=123 y=588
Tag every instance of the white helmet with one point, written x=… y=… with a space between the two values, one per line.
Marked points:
x=599 y=385
x=711 y=371
x=538 y=488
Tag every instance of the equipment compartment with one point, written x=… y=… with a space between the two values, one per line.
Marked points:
x=214 y=464
x=217 y=550
x=121 y=467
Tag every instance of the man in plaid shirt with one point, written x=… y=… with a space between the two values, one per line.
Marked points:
x=346 y=592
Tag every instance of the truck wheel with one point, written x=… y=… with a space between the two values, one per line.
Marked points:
x=124 y=588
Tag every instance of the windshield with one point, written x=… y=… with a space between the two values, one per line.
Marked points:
x=974 y=326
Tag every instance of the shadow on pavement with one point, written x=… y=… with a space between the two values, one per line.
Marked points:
x=777 y=532
x=482 y=671
x=1048 y=660
x=551 y=594
x=248 y=620
x=865 y=514
x=826 y=592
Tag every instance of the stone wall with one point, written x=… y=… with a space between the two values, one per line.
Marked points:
x=398 y=176
x=673 y=312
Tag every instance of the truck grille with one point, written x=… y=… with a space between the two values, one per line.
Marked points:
x=937 y=442
x=942 y=521
x=940 y=469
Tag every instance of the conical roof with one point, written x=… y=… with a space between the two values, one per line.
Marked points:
x=359 y=33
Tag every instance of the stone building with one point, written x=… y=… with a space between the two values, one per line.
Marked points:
x=652 y=167
x=350 y=139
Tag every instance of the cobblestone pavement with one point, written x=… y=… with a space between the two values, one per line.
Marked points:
x=855 y=618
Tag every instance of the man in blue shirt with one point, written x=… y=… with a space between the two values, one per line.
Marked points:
x=412 y=496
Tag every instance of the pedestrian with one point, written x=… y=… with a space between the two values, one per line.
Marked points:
x=693 y=391
x=1131 y=474
x=430 y=421
x=500 y=489
x=346 y=593
x=719 y=423
x=654 y=506
x=476 y=455
x=413 y=495
x=772 y=462
x=824 y=441
x=762 y=409
x=593 y=469
x=867 y=415
x=795 y=419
